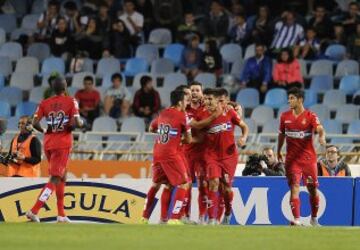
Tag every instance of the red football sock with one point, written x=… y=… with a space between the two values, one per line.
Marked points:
x=228 y=199
x=221 y=208
x=314 y=202
x=295 y=207
x=178 y=203
x=213 y=200
x=202 y=200
x=165 y=202
x=60 y=190
x=149 y=202
x=43 y=197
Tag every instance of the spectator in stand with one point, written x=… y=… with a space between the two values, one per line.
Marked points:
x=321 y=23
x=216 y=24
x=239 y=31
x=331 y=166
x=191 y=58
x=260 y=28
x=236 y=8
x=168 y=14
x=72 y=17
x=287 y=71
x=145 y=8
x=89 y=100
x=104 y=21
x=309 y=47
x=287 y=33
x=353 y=44
x=187 y=29
x=47 y=21
x=339 y=35
x=118 y=42
x=117 y=98
x=61 y=42
x=146 y=100
x=212 y=60
x=134 y=21
x=351 y=18
x=257 y=71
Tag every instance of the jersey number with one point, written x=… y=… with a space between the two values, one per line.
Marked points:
x=57 y=121
x=164 y=133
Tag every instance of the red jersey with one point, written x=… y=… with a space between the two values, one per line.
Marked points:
x=58 y=111
x=87 y=99
x=170 y=125
x=299 y=135
x=220 y=139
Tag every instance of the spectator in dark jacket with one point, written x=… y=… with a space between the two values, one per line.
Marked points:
x=61 y=40
x=321 y=23
x=146 y=99
x=353 y=44
x=216 y=23
x=212 y=60
x=118 y=41
x=331 y=166
x=90 y=40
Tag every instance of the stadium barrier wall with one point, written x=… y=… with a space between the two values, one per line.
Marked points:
x=357 y=202
x=257 y=201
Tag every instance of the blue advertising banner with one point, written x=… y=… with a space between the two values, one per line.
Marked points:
x=265 y=201
x=357 y=202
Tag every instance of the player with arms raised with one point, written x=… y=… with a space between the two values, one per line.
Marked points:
x=60 y=112
x=298 y=126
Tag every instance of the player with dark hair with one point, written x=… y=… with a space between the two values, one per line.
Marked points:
x=61 y=113
x=298 y=126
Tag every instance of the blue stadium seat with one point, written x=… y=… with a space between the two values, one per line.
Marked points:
x=147 y=51
x=208 y=80
x=347 y=67
x=231 y=52
x=310 y=98
x=53 y=64
x=13 y=50
x=347 y=113
x=354 y=127
x=251 y=125
x=303 y=67
x=2 y=36
x=350 y=84
x=12 y=123
x=39 y=50
x=162 y=66
x=27 y=64
x=321 y=83
x=5 y=66
x=335 y=52
x=262 y=114
x=174 y=52
x=2 y=81
x=25 y=108
x=136 y=65
x=107 y=66
x=12 y=95
x=249 y=51
x=22 y=80
x=173 y=80
x=321 y=110
x=30 y=21
x=16 y=33
x=237 y=68
x=321 y=67
x=8 y=22
x=160 y=37
x=37 y=94
x=104 y=124
x=248 y=98
x=272 y=126
x=38 y=7
x=133 y=124
x=275 y=98
x=5 y=109
x=334 y=98
x=332 y=126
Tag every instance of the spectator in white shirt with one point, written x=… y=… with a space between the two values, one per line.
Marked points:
x=133 y=20
x=47 y=21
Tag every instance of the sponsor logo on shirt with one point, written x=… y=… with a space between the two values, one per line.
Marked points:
x=298 y=134
x=220 y=128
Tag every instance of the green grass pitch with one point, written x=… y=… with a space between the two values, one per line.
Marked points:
x=28 y=236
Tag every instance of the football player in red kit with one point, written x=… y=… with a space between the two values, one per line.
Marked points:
x=60 y=112
x=298 y=126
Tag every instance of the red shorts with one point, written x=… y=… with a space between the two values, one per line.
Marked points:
x=58 y=159
x=172 y=171
x=197 y=167
x=223 y=169
x=305 y=171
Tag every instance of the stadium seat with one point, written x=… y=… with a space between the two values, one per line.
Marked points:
x=310 y=98
x=2 y=36
x=276 y=98
x=16 y=33
x=22 y=80
x=350 y=84
x=272 y=126
x=321 y=83
x=174 y=52
x=335 y=52
x=160 y=37
x=231 y=52
x=165 y=93
x=262 y=114
x=248 y=98
x=72 y=90
x=354 y=128
x=136 y=65
x=321 y=67
x=13 y=50
x=37 y=94
x=347 y=113
x=107 y=66
x=303 y=67
x=8 y=22
x=38 y=7
x=39 y=50
x=332 y=126
x=249 y=51
x=25 y=108
x=136 y=82
x=12 y=123
x=53 y=64
x=251 y=125
x=147 y=51
x=237 y=68
x=88 y=65
x=133 y=124
x=162 y=66
x=282 y=109
x=322 y=111
x=5 y=66
x=104 y=124
x=27 y=65
x=12 y=95
x=5 y=110
x=78 y=79
x=356 y=97
x=334 y=98
x=347 y=67
x=30 y=21
x=173 y=80
x=2 y=81
x=208 y=80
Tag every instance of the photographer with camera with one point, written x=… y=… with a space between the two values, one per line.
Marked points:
x=264 y=164
x=24 y=155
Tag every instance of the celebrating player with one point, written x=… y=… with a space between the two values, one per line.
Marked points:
x=298 y=126
x=60 y=112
